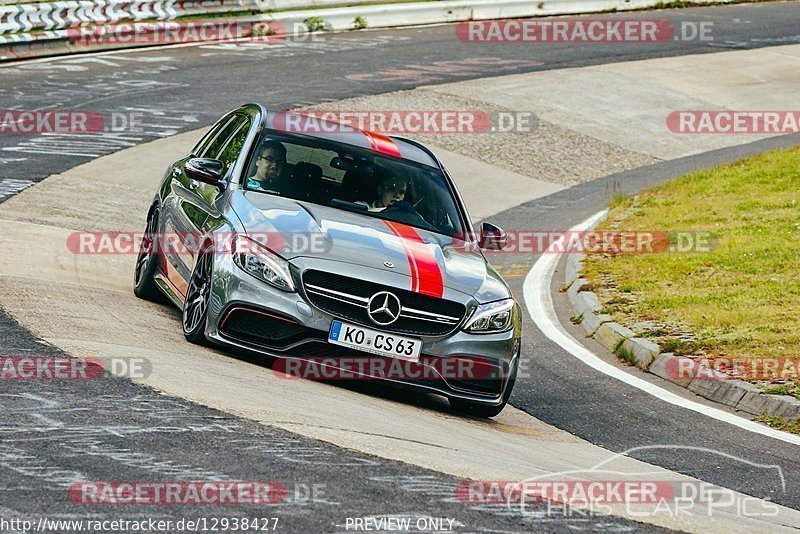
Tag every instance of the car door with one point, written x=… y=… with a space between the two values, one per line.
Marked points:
x=193 y=209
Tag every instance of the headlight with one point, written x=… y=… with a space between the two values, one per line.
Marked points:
x=491 y=318
x=262 y=263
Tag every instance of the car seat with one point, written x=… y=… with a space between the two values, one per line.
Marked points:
x=307 y=181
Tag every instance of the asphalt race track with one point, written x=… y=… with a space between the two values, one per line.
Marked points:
x=192 y=86
x=90 y=428
x=631 y=418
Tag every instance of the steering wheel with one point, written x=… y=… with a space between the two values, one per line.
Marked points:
x=403 y=211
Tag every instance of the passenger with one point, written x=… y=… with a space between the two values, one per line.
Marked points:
x=272 y=173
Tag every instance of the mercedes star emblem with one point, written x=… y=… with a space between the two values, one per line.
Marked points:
x=383 y=308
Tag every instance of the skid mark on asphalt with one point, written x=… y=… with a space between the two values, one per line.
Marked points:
x=123 y=125
x=437 y=71
x=350 y=431
x=142 y=122
x=317 y=45
x=10 y=187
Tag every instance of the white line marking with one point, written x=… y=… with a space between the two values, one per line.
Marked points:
x=536 y=292
x=100 y=53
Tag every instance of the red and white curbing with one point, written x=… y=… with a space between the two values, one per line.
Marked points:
x=65 y=14
x=701 y=380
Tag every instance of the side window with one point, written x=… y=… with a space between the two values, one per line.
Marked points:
x=231 y=151
x=210 y=136
x=215 y=147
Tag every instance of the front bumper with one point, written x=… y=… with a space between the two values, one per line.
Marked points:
x=248 y=314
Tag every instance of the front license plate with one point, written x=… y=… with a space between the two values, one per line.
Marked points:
x=375 y=342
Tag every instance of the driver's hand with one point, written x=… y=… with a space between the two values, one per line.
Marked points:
x=402 y=205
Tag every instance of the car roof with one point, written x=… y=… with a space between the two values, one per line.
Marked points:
x=288 y=122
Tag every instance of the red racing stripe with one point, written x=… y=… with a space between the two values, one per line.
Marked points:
x=412 y=264
x=383 y=144
x=429 y=275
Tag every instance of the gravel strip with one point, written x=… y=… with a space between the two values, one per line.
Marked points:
x=548 y=152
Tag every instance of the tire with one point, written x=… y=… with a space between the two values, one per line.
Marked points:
x=482 y=410
x=144 y=285
x=198 y=295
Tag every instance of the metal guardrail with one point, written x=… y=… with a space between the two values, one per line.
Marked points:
x=22 y=17
x=18 y=18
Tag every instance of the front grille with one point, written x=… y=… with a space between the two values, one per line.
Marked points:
x=347 y=298
x=479 y=377
x=262 y=328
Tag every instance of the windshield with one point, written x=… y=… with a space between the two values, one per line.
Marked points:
x=356 y=180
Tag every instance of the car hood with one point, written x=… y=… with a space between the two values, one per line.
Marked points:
x=432 y=262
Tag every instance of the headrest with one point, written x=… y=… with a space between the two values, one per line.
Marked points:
x=307 y=171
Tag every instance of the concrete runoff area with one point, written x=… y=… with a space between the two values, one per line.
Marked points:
x=84 y=305
x=627 y=104
x=489 y=190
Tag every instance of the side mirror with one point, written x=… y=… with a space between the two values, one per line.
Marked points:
x=492 y=237
x=208 y=171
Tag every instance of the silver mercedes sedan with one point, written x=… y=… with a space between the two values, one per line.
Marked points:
x=344 y=254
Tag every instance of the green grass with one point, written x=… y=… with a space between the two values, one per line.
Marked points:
x=741 y=299
x=618 y=199
x=673 y=5
x=780 y=424
x=780 y=389
x=677 y=346
x=315 y=24
x=626 y=355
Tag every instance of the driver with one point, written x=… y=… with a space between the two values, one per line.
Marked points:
x=272 y=174
x=390 y=189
